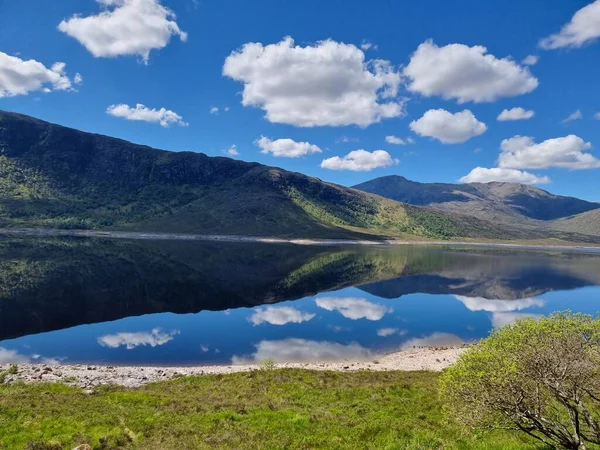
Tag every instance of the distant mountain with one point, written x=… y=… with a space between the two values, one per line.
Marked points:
x=504 y=202
x=52 y=176
x=586 y=223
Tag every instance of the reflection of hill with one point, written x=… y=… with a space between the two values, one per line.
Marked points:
x=492 y=275
x=50 y=284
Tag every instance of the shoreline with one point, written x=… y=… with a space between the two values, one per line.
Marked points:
x=135 y=235
x=88 y=376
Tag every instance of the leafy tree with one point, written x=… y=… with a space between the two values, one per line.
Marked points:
x=541 y=377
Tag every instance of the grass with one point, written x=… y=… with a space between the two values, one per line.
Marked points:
x=267 y=409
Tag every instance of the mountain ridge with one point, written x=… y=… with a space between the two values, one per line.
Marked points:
x=53 y=176
x=511 y=202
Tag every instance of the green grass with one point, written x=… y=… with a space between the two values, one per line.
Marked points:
x=267 y=409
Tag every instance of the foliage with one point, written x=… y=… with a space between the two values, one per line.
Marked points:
x=540 y=377
x=268 y=364
x=271 y=409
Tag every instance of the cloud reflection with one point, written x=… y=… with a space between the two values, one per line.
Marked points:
x=500 y=319
x=353 y=308
x=279 y=315
x=484 y=304
x=132 y=340
x=303 y=350
x=434 y=340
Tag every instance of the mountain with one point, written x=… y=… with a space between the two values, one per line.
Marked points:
x=505 y=202
x=52 y=176
x=586 y=223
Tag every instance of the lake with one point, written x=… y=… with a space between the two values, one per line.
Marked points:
x=117 y=302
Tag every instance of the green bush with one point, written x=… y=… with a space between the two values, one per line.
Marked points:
x=541 y=377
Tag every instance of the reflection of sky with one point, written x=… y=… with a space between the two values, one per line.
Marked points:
x=346 y=324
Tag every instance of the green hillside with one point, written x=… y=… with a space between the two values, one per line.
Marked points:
x=52 y=176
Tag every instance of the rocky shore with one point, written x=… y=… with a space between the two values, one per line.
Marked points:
x=90 y=376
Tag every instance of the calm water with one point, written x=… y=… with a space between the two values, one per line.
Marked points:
x=167 y=303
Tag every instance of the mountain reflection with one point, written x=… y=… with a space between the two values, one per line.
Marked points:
x=52 y=284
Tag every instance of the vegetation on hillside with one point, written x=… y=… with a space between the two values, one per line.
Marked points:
x=266 y=409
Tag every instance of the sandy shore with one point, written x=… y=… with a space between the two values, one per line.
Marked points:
x=89 y=376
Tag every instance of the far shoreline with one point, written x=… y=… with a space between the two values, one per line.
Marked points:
x=135 y=235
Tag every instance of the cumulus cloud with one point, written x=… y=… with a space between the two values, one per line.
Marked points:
x=395 y=140
x=303 y=350
x=232 y=151
x=367 y=45
x=360 y=161
x=325 y=84
x=353 y=308
x=154 y=338
x=213 y=110
x=164 y=117
x=530 y=60
x=286 y=147
x=78 y=78
x=20 y=77
x=569 y=152
x=484 y=175
x=576 y=115
x=484 y=304
x=517 y=113
x=125 y=27
x=434 y=340
x=467 y=74
x=279 y=316
x=447 y=127
x=583 y=28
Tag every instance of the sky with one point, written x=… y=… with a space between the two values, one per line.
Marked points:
x=343 y=90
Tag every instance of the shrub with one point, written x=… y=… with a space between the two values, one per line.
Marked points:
x=540 y=377
x=268 y=364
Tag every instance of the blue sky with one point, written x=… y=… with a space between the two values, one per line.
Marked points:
x=315 y=92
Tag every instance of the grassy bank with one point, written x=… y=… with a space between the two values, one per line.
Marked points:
x=269 y=409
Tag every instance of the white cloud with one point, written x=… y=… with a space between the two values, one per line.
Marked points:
x=447 y=127
x=597 y=116
x=517 y=113
x=162 y=116
x=353 y=308
x=232 y=151
x=14 y=357
x=521 y=152
x=78 y=78
x=303 y=350
x=286 y=147
x=395 y=140
x=366 y=45
x=467 y=74
x=279 y=315
x=213 y=110
x=326 y=84
x=360 y=161
x=576 y=115
x=530 y=60
x=20 y=77
x=126 y=27
x=500 y=319
x=490 y=305
x=484 y=175
x=583 y=28
x=434 y=340
x=130 y=341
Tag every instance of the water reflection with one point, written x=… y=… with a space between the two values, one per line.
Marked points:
x=123 y=302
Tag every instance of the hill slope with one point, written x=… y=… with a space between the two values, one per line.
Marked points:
x=52 y=176
x=586 y=223
x=506 y=202
x=59 y=177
